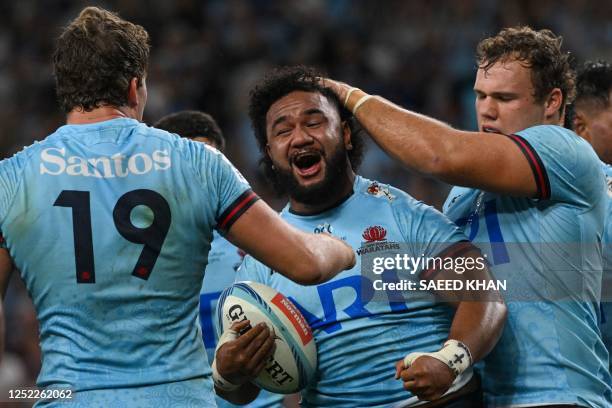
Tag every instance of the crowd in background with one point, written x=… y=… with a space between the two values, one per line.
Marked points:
x=206 y=55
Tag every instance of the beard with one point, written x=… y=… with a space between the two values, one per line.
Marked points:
x=336 y=165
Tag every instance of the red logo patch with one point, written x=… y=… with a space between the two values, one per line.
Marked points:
x=294 y=316
x=374 y=234
x=373 y=188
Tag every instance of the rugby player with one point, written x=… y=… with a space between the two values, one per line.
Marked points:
x=110 y=221
x=311 y=152
x=534 y=193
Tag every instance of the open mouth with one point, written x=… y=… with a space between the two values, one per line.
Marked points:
x=490 y=129
x=307 y=163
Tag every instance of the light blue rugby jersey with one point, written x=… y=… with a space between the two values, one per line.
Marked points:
x=358 y=339
x=116 y=291
x=223 y=261
x=550 y=351
x=606 y=305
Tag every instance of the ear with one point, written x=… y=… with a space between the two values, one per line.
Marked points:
x=269 y=156
x=346 y=135
x=580 y=126
x=553 y=103
x=133 y=99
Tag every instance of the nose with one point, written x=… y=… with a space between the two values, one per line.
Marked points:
x=301 y=137
x=486 y=108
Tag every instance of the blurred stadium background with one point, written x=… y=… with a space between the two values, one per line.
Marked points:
x=207 y=54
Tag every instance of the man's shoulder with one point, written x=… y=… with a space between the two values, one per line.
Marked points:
x=557 y=140
x=396 y=203
x=381 y=193
x=21 y=157
x=549 y=130
x=568 y=159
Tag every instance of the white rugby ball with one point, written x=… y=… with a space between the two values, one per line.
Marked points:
x=294 y=362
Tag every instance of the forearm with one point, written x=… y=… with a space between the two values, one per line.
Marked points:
x=241 y=396
x=304 y=258
x=479 y=326
x=487 y=161
x=420 y=143
x=311 y=259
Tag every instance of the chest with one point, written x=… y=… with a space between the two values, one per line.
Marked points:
x=351 y=295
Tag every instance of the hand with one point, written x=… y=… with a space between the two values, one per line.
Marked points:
x=240 y=361
x=427 y=377
x=339 y=88
x=350 y=252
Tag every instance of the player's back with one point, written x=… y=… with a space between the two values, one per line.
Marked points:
x=110 y=225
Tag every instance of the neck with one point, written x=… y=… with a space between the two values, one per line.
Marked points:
x=79 y=116
x=325 y=203
x=556 y=119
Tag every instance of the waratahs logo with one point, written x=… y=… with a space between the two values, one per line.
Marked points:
x=374 y=234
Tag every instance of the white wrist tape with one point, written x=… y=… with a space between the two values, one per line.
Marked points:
x=454 y=354
x=348 y=94
x=219 y=381
x=360 y=102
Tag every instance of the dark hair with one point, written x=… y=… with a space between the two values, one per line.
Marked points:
x=538 y=50
x=282 y=81
x=594 y=84
x=192 y=124
x=95 y=58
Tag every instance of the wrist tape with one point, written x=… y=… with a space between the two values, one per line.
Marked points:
x=454 y=354
x=219 y=381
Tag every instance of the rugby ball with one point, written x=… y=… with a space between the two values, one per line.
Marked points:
x=294 y=362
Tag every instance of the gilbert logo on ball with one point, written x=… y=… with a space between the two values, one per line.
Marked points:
x=294 y=362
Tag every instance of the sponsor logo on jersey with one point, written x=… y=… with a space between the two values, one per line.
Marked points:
x=377 y=190
x=609 y=181
x=375 y=238
x=325 y=227
x=374 y=234
x=53 y=161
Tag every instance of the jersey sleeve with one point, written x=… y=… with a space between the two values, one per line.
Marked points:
x=223 y=183
x=253 y=270
x=426 y=231
x=10 y=176
x=564 y=165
